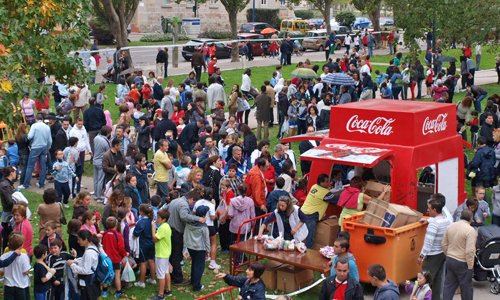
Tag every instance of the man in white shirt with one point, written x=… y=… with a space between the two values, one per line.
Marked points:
x=326 y=71
x=80 y=132
x=364 y=67
x=478 y=57
x=215 y=92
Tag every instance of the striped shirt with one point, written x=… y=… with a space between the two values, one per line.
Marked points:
x=435 y=232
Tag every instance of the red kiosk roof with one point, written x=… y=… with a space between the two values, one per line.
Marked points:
x=404 y=123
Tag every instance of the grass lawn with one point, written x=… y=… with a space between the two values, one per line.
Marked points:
x=231 y=77
x=487 y=58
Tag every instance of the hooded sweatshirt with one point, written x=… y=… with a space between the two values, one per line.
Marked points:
x=196 y=236
x=240 y=210
x=389 y=291
x=349 y=197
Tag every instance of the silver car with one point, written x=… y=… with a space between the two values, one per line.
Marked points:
x=315 y=40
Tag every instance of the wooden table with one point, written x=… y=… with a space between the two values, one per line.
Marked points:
x=311 y=259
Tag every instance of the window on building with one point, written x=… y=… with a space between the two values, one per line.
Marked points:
x=283 y=2
x=166 y=1
x=263 y=2
x=212 y=2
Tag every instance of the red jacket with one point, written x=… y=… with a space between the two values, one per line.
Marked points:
x=112 y=242
x=211 y=67
x=256 y=187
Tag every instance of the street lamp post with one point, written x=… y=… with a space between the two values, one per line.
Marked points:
x=253 y=12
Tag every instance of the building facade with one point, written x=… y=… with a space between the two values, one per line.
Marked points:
x=213 y=15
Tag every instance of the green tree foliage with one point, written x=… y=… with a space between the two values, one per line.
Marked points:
x=304 y=14
x=270 y=16
x=322 y=5
x=35 y=39
x=457 y=21
x=348 y=16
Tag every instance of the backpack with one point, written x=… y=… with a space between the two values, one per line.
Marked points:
x=104 y=272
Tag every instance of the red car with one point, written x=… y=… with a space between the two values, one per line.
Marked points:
x=257 y=45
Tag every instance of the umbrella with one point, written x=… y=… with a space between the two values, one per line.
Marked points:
x=129 y=71
x=304 y=73
x=338 y=79
x=268 y=30
x=448 y=59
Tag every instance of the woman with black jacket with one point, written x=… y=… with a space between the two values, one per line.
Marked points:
x=212 y=176
x=249 y=140
x=313 y=118
x=23 y=148
x=143 y=136
x=131 y=190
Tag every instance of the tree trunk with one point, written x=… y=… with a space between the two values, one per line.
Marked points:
x=233 y=16
x=374 y=16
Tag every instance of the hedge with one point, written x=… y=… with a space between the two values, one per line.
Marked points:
x=215 y=34
x=304 y=14
x=161 y=37
x=270 y=16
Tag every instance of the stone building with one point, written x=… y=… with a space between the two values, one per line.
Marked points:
x=213 y=15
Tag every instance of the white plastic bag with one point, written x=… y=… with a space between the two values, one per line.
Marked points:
x=128 y=274
x=285 y=127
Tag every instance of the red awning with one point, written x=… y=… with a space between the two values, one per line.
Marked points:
x=347 y=154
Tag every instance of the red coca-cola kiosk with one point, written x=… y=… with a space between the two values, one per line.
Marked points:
x=396 y=139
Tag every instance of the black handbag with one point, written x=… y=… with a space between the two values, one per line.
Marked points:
x=62 y=219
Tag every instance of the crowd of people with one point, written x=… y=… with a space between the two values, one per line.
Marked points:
x=212 y=173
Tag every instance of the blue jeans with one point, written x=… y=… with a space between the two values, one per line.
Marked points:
x=166 y=68
x=37 y=153
x=41 y=296
x=197 y=268
x=62 y=189
x=419 y=88
x=311 y=222
x=370 y=51
x=477 y=103
x=283 y=59
x=23 y=159
x=396 y=90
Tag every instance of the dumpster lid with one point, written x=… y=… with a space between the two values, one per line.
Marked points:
x=347 y=154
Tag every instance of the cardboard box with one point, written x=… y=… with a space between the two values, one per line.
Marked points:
x=326 y=232
x=270 y=275
x=399 y=215
x=375 y=212
x=290 y=278
x=375 y=188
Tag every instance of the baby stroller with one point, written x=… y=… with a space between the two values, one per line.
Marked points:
x=108 y=76
x=297 y=48
x=487 y=263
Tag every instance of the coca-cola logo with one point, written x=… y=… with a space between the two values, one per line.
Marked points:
x=436 y=125
x=379 y=125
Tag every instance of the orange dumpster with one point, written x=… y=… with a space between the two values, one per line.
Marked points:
x=397 y=249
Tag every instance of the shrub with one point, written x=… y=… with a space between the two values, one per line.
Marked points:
x=270 y=16
x=215 y=34
x=348 y=16
x=161 y=37
x=304 y=14
x=101 y=32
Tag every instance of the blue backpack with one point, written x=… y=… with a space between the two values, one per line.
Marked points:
x=104 y=272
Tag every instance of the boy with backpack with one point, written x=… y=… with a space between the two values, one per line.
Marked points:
x=114 y=246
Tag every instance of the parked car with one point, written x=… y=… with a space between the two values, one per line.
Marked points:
x=221 y=50
x=386 y=22
x=333 y=23
x=294 y=35
x=296 y=25
x=315 y=40
x=255 y=27
x=243 y=38
x=361 y=22
x=317 y=22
